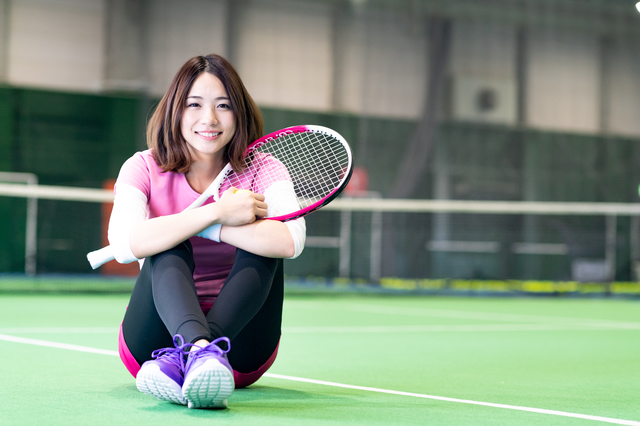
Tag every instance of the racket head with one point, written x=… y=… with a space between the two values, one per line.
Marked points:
x=316 y=160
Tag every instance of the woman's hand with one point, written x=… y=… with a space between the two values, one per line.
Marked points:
x=240 y=207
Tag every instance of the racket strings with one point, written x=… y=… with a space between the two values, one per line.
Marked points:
x=316 y=163
x=332 y=163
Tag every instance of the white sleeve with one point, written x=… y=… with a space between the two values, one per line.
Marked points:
x=298 y=230
x=129 y=209
x=281 y=199
x=211 y=233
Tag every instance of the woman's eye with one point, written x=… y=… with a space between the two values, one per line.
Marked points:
x=224 y=106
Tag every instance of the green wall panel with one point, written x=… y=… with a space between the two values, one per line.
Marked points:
x=83 y=139
x=6 y=129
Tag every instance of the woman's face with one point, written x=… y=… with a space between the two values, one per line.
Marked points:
x=208 y=122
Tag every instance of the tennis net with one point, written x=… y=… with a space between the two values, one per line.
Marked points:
x=362 y=239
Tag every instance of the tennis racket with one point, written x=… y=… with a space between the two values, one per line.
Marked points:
x=313 y=162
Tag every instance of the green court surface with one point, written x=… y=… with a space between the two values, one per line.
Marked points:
x=346 y=359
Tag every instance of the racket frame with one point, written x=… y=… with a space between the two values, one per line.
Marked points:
x=304 y=129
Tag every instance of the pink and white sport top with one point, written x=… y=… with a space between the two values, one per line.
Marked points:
x=156 y=193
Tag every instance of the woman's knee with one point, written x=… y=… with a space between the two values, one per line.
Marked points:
x=182 y=253
x=243 y=255
x=268 y=267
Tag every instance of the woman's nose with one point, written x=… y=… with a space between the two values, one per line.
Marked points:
x=209 y=116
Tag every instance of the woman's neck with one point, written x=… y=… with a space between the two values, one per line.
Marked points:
x=202 y=173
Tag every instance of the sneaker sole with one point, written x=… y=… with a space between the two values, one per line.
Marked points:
x=152 y=381
x=209 y=385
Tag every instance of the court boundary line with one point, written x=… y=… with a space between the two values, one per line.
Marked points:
x=57 y=345
x=78 y=348
x=462 y=401
x=58 y=330
x=453 y=328
x=409 y=328
x=478 y=315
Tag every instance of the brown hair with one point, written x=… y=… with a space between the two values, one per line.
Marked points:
x=164 y=134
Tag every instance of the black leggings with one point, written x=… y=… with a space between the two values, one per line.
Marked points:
x=248 y=309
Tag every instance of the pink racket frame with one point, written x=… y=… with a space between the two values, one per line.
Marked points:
x=339 y=188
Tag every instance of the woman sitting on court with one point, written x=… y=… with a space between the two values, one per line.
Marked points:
x=205 y=313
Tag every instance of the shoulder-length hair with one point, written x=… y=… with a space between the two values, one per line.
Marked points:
x=164 y=135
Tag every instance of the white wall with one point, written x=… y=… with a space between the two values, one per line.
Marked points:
x=383 y=67
x=563 y=87
x=56 y=44
x=179 y=30
x=483 y=49
x=284 y=53
x=289 y=57
x=4 y=40
x=624 y=99
x=483 y=56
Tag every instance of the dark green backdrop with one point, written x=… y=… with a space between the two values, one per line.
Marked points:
x=81 y=140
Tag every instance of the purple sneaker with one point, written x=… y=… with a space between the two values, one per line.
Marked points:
x=163 y=376
x=208 y=377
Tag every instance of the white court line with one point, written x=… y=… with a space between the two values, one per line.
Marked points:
x=488 y=316
x=345 y=386
x=452 y=328
x=462 y=401
x=58 y=330
x=485 y=316
x=420 y=328
x=56 y=345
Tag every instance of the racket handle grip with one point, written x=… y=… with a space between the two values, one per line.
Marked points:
x=100 y=257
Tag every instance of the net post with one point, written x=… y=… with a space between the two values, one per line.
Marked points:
x=345 y=243
x=31 y=233
x=375 y=254
x=375 y=249
x=610 y=245
x=634 y=250
x=375 y=265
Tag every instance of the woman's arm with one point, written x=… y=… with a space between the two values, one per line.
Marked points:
x=133 y=237
x=269 y=238
x=162 y=233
